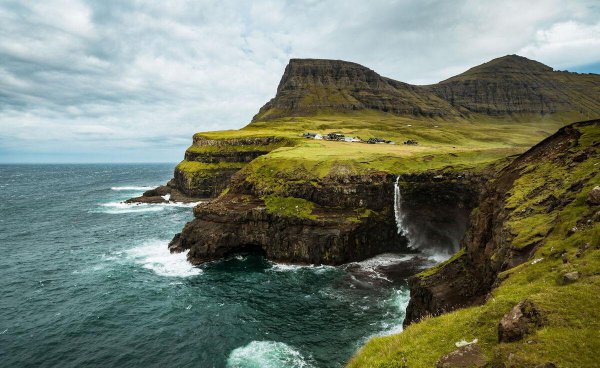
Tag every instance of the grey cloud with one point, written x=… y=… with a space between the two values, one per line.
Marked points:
x=141 y=77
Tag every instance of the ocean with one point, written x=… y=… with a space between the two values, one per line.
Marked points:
x=87 y=281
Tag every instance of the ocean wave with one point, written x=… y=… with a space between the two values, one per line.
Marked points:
x=155 y=256
x=266 y=354
x=397 y=304
x=132 y=188
x=284 y=267
x=122 y=207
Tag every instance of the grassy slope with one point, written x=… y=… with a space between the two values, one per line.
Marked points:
x=459 y=143
x=570 y=337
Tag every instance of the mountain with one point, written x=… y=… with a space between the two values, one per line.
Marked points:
x=506 y=85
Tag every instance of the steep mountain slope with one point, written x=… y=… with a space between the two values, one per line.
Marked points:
x=514 y=84
x=311 y=86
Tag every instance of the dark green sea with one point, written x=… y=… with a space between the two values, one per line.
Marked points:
x=87 y=281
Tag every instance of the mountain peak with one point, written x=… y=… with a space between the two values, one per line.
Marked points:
x=311 y=86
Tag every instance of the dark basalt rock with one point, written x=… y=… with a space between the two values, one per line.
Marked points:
x=158 y=194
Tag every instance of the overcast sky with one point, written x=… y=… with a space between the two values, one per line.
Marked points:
x=131 y=81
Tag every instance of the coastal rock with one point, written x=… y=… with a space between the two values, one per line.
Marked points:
x=467 y=356
x=522 y=319
x=351 y=218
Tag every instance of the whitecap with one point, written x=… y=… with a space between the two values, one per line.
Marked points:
x=266 y=354
x=116 y=208
x=154 y=255
x=122 y=207
x=286 y=267
x=397 y=304
x=132 y=188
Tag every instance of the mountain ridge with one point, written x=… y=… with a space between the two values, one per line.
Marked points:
x=502 y=86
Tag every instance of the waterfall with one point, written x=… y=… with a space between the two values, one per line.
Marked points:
x=403 y=229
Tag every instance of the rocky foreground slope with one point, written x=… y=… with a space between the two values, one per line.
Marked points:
x=525 y=281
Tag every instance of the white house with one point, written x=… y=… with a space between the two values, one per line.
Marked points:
x=318 y=136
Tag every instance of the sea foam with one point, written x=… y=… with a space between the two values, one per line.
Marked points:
x=116 y=208
x=266 y=354
x=132 y=188
x=155 y=256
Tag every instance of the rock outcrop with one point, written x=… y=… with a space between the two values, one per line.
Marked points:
x=521 y=320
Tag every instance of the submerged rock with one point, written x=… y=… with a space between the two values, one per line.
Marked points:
x=522 y=319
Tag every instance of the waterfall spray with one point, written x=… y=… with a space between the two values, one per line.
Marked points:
x=400 y=216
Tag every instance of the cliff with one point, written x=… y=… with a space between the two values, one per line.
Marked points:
x=533 y=241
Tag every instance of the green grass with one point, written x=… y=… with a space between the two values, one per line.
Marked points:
x=289 y=207
x=569 y=338
x=194 y=167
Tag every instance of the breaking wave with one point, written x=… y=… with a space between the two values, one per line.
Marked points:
x=132 y=188
x=266 y=354
x=122 y=207
x=155 y=256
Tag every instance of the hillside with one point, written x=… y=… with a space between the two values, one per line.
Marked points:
x=532 y=249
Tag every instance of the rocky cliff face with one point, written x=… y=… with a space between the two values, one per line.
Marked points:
x=502 y=234
x=349 y=217
x=507 y=85
x=245 y=220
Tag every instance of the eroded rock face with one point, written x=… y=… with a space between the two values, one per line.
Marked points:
x=353 y=218
x=522 y=319
x=239 y=222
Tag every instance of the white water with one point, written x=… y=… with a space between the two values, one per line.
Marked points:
x=132 y=188
x=403 y=229
x=122 y=207
x=155 y=256
x=411 y=233
x=266 y=354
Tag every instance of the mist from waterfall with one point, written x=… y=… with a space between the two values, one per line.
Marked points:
x=434 y=232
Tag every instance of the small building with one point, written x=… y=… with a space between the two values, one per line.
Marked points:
x=318 y=136
x=411 y=142
x=375 y=140
x=335 y=137
x=309 y=135
x=351 y=139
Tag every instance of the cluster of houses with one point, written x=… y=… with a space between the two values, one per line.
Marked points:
x=343 y=138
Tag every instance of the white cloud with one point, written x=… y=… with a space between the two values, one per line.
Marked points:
x=139 y=78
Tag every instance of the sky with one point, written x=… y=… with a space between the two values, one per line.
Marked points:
x=131 y=81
